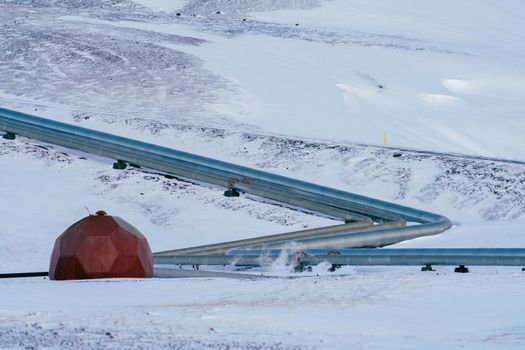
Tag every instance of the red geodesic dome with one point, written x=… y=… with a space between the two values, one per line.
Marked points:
x=100 y=246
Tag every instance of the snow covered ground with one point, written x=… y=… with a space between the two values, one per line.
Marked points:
x=372 y=308
x=304 y=90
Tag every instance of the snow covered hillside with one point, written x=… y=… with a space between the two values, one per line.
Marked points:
x=443 y=76
x=302 y=88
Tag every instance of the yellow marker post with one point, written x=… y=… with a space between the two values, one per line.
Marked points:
x=384 y=138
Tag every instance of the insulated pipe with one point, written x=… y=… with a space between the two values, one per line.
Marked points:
x=23 y=274
x=221 y=248
x=363 y=257
x=176 y=273
x=264 y=184
x=379 y=236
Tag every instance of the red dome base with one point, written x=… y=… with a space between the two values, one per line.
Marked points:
x=101 y=246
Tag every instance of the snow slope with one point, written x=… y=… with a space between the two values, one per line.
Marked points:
x=163 y=5
x=457 y=86
x=444 y=76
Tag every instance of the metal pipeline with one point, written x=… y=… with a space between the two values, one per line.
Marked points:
x=221 y=248
x=328 y=201
x=375 y=257
x=176 y=273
